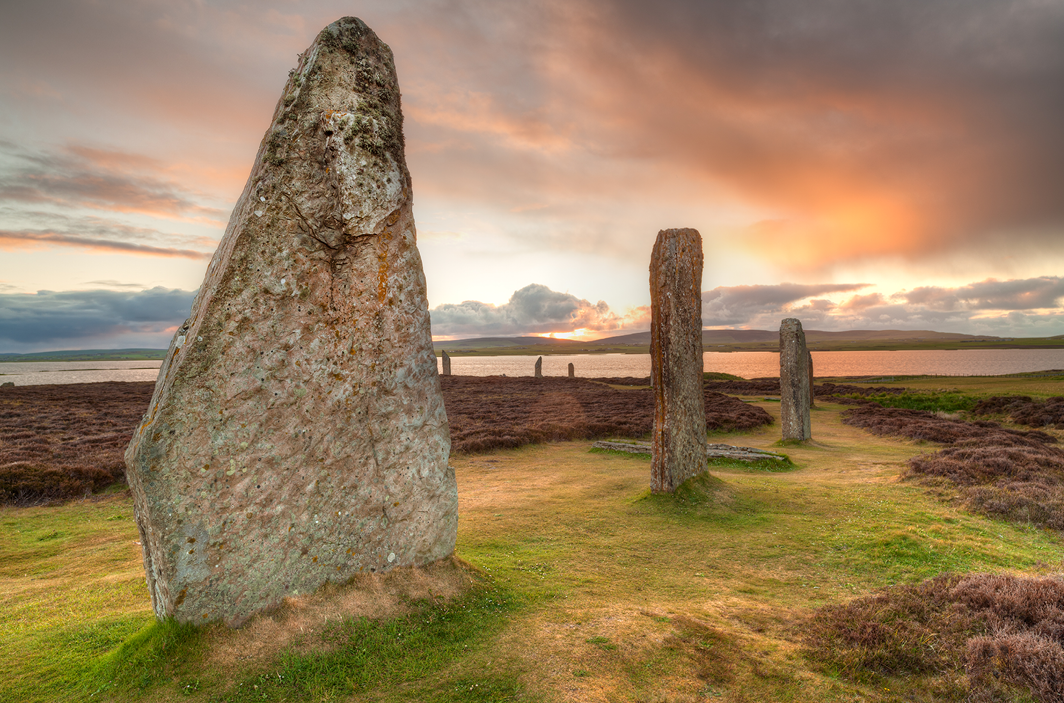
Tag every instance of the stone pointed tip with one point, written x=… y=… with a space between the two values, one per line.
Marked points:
x=680 y=230
x=349 y=34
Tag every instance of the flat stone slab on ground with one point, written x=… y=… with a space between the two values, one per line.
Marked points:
x=713 y=451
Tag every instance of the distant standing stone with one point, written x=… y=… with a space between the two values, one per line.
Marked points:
x=812 y=394
x=446 y=363
x=679 y=435
x=572 y=370
x=539 y=367
x=795 y=389
x=297 y=433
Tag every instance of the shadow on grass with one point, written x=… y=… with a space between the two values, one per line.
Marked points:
x=704 y=498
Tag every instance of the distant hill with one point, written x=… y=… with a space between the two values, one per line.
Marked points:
x=726 y=337
x=752 y=340
x=489 y=342
x=89 y=355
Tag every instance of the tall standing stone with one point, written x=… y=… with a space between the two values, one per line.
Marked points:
x=539 y=367
x=446 y=363
x=297 y=433
x=794 y=381
x=679 y=437
x=572 y=370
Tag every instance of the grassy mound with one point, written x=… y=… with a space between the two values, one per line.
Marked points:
x=299 y=653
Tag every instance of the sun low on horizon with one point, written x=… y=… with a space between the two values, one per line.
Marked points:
x=885 y=166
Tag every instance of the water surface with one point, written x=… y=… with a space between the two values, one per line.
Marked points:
x=963 y=362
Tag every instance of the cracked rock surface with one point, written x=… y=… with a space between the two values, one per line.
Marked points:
x=297 y=433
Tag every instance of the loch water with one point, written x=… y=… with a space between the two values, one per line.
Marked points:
x=964 y=362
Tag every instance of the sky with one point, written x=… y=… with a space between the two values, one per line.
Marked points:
x=859 y=165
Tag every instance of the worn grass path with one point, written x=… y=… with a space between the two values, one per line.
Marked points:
x=616 y=595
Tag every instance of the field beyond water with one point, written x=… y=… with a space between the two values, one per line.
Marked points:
x=572 y=583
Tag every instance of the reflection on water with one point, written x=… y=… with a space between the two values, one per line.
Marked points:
x=967 y=362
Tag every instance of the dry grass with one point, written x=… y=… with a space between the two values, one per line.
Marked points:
x=971 y=637
x=623 y=596
x=498 y=412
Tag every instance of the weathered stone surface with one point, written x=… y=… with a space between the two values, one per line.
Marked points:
x=446 y=363
x=679 y=435
x=572 y=370
x=795 y=388
x=539 y=367
x=297 y=433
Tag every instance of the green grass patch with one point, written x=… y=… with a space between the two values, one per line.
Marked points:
x=772 y=466
x=948 y=402
x=720 y=376
x=153 y=655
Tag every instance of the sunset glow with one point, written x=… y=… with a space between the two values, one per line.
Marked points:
x=893 y=165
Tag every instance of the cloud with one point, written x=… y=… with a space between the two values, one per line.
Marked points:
x=742 y=305
x=534 y=309
x=862 y=302
x=98 y=234
x=26 y=239
x=1024 y=294
x=56 y=320
x=83 y=177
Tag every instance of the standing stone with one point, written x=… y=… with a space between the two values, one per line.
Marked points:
x=794 y=381
x=539 y=367
x=679 y=437
x=572 y=370
x=812 y=386
x=446 y=363
x=297 y=433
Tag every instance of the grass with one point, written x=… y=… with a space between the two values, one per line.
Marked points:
x=583 y=586
x=930 y=401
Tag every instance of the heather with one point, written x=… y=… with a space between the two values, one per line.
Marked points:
x=977 y=637
x=1013 y=475
x=59 y=441
x=499 y=412
x=63 y=441
x=1023 y=410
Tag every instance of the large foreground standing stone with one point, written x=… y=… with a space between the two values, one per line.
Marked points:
x=795 y=389
x=297 y=434
x=679 y=436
